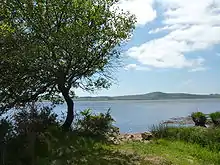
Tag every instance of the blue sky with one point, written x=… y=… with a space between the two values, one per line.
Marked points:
x=175 y=48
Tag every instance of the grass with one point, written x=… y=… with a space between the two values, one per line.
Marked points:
x=166 y=152
x=205 y=137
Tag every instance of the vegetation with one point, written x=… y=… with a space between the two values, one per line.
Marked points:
x=33 y=135
x=98 y=126
x=215 y=118
x=199 y=118
x=166 y=152
x=36 y=137
x=52 y=47
x=205 y=137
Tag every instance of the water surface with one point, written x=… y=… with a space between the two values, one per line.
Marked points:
x=139 y=115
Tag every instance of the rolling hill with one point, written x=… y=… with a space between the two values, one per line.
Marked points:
x=153 y=96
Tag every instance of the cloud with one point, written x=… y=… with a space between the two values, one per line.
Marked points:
x=191 y=26
x=136 y=67
x=187 y=82
x=198 y=69
x=218 y=54
x=142 y=9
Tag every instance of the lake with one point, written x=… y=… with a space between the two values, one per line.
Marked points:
x=140 y=115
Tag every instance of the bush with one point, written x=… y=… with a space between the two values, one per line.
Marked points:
x=24 y=135
x=35 y=137
x=215 y=118
x=32 y=119
x=206 y=137
x=199 y=119
x=6 y=130
x=96 y=126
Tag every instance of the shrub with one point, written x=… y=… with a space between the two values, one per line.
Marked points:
x=34 y=119
x=97 y=126
x=35 y=137
x=215 y=118
x=24 y=135
x=38 y=139
x=199 y=118
x=6 y=130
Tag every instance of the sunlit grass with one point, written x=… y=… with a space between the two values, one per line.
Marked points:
x=173 y=152
x=205 y=137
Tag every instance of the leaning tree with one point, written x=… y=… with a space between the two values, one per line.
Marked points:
x=51 y=47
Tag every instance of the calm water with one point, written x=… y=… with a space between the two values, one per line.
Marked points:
x=138 y=116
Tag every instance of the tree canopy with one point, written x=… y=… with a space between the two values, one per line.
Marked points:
x=51 y=47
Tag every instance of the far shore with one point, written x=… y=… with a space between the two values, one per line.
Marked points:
x=106 y=100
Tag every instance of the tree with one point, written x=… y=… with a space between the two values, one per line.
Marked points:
x=52 y=47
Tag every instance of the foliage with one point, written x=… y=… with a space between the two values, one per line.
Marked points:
x=32 y=118
x=199 y=118
x=25 y=136
x=97 y=126
x=215 y=118
x=57 y=46
x=6 y=129
x=205 y=137
x=34 y=136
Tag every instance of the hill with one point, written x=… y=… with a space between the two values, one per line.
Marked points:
x=153 y=96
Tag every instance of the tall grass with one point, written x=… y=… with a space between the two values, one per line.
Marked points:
x=215 y=117
x=205 y=137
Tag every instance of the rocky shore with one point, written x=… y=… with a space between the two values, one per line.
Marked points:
x=180 y=120
x=135 y=137
x=183 y=121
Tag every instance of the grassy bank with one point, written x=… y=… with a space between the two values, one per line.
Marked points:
x=166 y=152
x=205 y=137
x=179 y=146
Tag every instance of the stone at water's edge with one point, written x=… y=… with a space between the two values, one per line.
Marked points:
x=179 y=120
x=146 y=136
x=138 y=137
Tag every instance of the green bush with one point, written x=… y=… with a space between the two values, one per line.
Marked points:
x=199 y=118
x=26 y=135
x=34 y=136
x=215 y=118
x=206 y=137
x=96 y=126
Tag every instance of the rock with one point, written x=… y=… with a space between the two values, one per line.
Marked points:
x=114 y=140
x=146 y=136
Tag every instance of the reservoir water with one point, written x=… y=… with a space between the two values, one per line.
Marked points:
x=140 y=115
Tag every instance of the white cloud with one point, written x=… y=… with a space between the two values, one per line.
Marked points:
x=164 y=53
x=136 y=67
x=172 y=27
x=187 y=82
x=198 y=69
x=142 y=9
x=192 y=26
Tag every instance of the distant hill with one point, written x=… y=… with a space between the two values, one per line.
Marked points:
x=152 y=96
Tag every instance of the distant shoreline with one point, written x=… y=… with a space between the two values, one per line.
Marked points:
x=146 y=99
x=152 y=96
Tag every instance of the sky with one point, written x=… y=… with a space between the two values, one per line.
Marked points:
x=175 y=47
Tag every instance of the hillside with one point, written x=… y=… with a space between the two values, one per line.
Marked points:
x=153 y=96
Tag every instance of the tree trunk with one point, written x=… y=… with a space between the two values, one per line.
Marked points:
x=70 y=108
